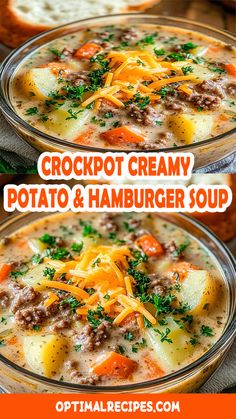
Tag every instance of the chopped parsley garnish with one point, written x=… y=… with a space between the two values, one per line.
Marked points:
x=188 y=46
x=2 y=342
x=128 y=227
x=121 y=349
x=16 y=274
x=139 y=345
x=48 y=239
x=96 y=262
x=36 y=327
x=88 y=230
x=77 y=247
x=187 y=70
x=147 y=323
x=106 y=297
x=159 y=52
x=164 y=335
x=98 y=121
x=36 y=259
x=198 y=60
x=31 y=111
x=49 y=272
x=162 y=322
x=199 y=109
x=180 y=249
x=113 y=236
x=72 y=302
x=90 y=291
x=108 y=115
x=147 y=40
x=206 y=331
x=121 y=46
x=163 y=303
x=139 y=258
x=216 y=69
x=233 y=119
x=141 y=279
x=129 y=336
x=3 y=320
x=56 y=52
x=194 y=340
x=58 y=253
x=164 y=91
x=141 y=101
x=73 y=114
x=159 y=123
x=95 y=317
x=78 y=347
x=176 y=56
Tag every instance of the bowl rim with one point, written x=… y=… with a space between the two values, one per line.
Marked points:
x=51 y=140
x=173 y=378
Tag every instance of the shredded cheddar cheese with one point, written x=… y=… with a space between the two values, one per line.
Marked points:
x=103 y=268
x=128 y=72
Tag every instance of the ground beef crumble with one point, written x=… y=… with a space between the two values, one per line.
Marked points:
x=4 y=299
x=90 y=338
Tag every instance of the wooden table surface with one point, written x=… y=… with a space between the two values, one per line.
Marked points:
x=213 y=12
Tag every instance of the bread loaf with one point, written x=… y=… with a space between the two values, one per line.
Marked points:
x=22 y=19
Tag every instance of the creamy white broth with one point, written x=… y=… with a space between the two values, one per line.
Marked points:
x=166 y=116
x=127 y=339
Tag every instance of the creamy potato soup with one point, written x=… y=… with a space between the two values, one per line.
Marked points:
x=139 y=87
x=108 y=299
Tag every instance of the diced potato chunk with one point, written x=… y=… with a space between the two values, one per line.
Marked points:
x=61 y=123
x=170 y=355
x=34 y=276
x=192 y=128
x=6 y=322
x=201 y=72
x=37 y=246
x=40 y=82
x=45 y=354
x=199 y=51
x=199 y=290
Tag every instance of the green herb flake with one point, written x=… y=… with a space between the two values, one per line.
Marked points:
x=129 y=336
x=77 y=246
x=159 y=52
x=78 y=347
x=121 y=349
x=49 y=273
x=164 y=335
x=187 y=70
x=206 y=331
x=31 y=111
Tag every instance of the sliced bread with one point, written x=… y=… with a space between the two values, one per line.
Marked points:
x=22 y=19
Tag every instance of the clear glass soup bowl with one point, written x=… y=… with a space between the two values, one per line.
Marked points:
x=206 y=152
x=15 y=379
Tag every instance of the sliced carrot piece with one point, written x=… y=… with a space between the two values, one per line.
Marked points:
x=183 y=268
x=114 y=365
x=56 y=67
x=153 y=369
x=12 y=341
x=84 y=138
x=121 y=135
x=150 y=245
x=231 y=69
x=129 y=319
x=87 y=50
x=5 y=269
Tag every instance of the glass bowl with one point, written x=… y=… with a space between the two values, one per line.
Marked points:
x=205 y=152
x=15 y=379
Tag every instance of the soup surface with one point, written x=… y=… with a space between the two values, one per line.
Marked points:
x=140 y=87
x=108 y=299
